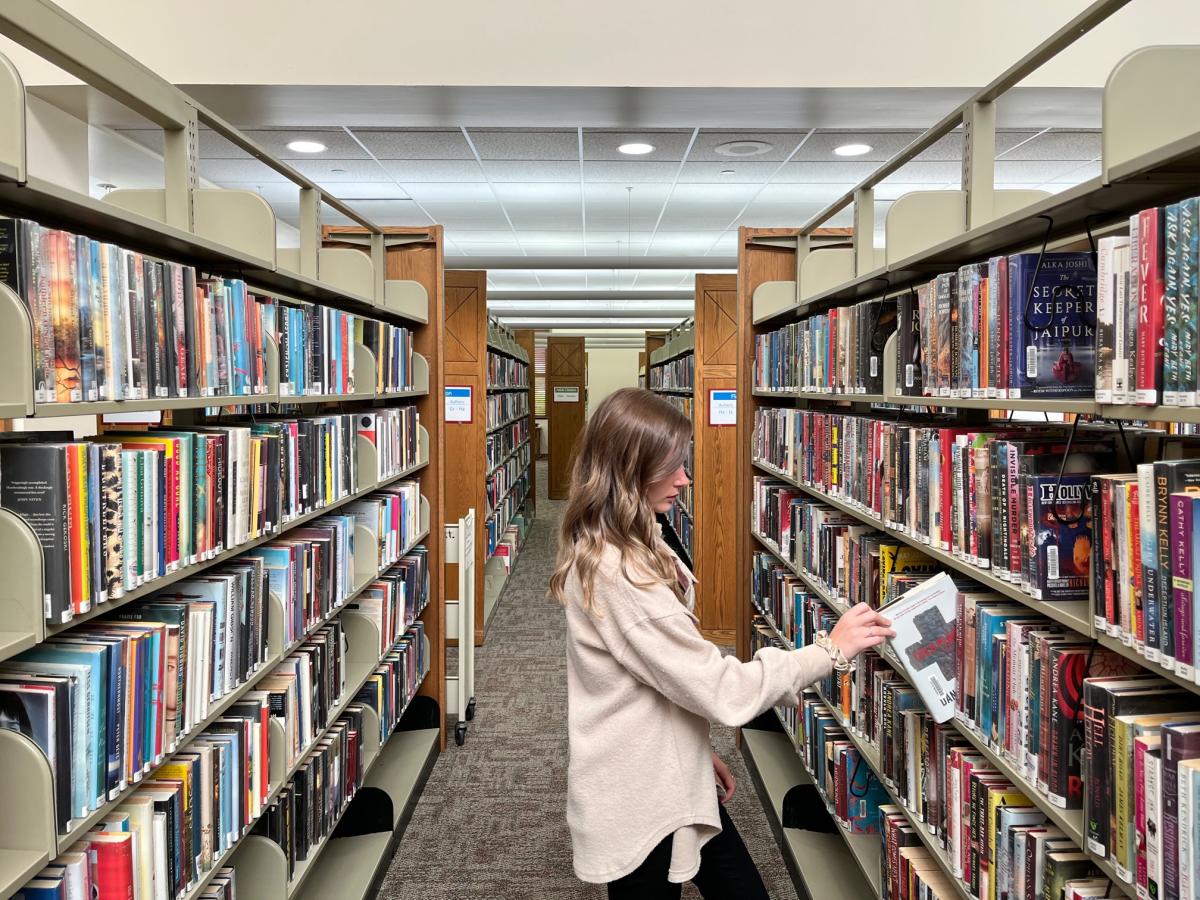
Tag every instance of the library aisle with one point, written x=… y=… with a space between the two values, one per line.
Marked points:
x=490 y=821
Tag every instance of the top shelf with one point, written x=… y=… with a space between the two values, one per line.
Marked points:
x=1092 y=204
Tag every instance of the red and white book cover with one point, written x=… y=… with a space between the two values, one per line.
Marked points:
x=1151 y=285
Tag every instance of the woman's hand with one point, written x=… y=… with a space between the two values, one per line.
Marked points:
x=860 y=628
x=724 y=778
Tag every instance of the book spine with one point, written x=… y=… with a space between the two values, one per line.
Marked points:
x=1181 y=581
x=1095 y=811
x=1150 y=306
x=1185 y=614
x=1151 y=582
x=1171 y=360
x=1122 y=746
x=1166 y=620
x=1129 y=274
x=1189 y=296
x=1105 y=322
x=1154 y=826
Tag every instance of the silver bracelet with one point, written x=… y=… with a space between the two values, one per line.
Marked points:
x=836 y=656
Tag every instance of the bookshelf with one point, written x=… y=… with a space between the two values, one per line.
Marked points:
x=1150 y=158
x=494 y=474
x=671 y=374
x=231 y=235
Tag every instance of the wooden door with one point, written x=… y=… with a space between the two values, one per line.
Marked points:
x=566 y=404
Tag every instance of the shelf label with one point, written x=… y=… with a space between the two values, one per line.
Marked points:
x=722 y=407
x=458 y=403
x=566 y=394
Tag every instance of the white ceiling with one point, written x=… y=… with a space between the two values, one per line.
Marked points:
x=569 y=192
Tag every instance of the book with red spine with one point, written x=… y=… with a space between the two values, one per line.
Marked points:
x=76 y=511
x=113 y=856
x=1151 y=286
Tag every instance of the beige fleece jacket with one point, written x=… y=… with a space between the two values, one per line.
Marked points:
x=642 y=687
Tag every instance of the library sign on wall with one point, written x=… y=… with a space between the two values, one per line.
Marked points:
x=566 y=395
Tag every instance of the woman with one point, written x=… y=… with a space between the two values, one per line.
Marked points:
x=643 y=684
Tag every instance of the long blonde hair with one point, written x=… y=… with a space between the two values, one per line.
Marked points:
x=633 y=439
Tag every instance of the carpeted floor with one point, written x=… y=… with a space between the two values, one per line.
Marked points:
x=490 y=824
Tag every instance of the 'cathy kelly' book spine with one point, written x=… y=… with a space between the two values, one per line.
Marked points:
x=1181 y=572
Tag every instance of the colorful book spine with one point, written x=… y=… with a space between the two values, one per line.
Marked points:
x=1189 y=297
x=1149 y=380
x=1171 y=361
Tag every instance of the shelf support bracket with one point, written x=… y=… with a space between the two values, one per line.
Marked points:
x=803 y=246
x=979 y=162
x=379 y=262
x=181 y=149
x=310 y=231
x=864 y=230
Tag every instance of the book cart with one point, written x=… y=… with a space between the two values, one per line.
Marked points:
x=231 y=234
x=1151 y=157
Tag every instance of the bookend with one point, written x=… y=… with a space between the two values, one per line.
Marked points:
x=260 y=866
x=367 y=463
x=804 y=808
x=27 y=838
x=408 y=299
x=12 y=123
x=423 y=712
x=348 y=270
x=773 y=297
x=822 y=269
x=21 y=605
x=1134 y=128
x=366 y=557
x=16 y=356
x=922 y=219
x=370 y=811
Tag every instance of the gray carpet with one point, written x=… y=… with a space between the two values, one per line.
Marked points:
x=490 y=823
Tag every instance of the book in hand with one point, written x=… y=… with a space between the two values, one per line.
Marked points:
x=924 y=621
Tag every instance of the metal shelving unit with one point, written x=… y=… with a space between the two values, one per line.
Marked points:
x=1151 y=157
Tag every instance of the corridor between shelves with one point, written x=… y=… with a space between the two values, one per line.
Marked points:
x=491 y=820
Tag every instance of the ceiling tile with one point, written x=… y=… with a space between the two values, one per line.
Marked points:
x=630 y=171
x=396 y=144
x=782 y=143
x=1041 y=171
x=1078 y=145
x=447 y=171
x=669 y=146
x=532 y=170
x=275 y=140
x=240 y=170
x=884 y=145
x=537 y=191
x=443 y=191
x=526 y=145
x=744 y=172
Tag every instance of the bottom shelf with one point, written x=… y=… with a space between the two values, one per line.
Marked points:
x=351 y=867
x=817 y=860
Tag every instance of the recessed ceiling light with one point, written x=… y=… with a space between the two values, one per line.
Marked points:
x=852 y=149
x=743 y=148
x=306 y=146
x=636 y=149
x=728 y=172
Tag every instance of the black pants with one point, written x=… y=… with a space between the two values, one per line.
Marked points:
x=726 y=871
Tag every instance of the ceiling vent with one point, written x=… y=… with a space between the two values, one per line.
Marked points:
x=742 y=149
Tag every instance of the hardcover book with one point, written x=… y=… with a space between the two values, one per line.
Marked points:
x=924 y=622
x=1052 y=313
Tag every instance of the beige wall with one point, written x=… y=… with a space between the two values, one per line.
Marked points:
x=774 y=43
x=610 y=368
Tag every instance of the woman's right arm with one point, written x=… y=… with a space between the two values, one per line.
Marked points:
x=668 y=653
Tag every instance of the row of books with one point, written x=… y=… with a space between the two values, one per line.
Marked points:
x=499 y=444
x=392 y=347
x=1144 y=530
x=1146 y=311
x=77 y=875
x=505 y=408
x=125 y=509
x=316 y=348
x=506 y=371
x=503 y=477
x=111 y=324
x=508 y=547
x=681 y=521
x=675 y=374
x=393 y=515
x=682 y=402
x=1082 y=725
x=394 y=432
x=505 y=511
x=840 y=351
x=994 y=498
x=307 y=809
